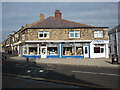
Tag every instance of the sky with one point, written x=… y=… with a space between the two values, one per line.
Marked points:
x=17 y=14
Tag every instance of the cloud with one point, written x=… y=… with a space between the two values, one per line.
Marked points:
x=97 y=14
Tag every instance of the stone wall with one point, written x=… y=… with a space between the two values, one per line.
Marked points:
x=63 y=34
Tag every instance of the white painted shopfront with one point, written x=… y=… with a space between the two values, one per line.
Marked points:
x=99 y=49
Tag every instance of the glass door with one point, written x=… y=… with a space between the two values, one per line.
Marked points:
x=85 y=51
x=43 y=52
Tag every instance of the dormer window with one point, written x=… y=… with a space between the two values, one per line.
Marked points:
x=43 y=34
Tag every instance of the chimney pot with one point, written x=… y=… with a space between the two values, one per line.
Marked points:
x=58 y=14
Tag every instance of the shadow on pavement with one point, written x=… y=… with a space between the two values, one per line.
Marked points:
x=33 y=70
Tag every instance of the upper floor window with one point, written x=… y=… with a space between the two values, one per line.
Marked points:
x=13 y=39
x=98 y=34
x=74 y=34
x=23 y=36
x=16 y=35
x=43 y=34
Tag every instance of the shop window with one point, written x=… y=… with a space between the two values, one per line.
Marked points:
x=32 y=50
x=68 y=51
x=74 y=34
x=43 y=34
x=52 y=51
x=98 y=50
x=102 y=50
x=25 y=50
x=79 y=51
x=75 y=49
x=98 y=34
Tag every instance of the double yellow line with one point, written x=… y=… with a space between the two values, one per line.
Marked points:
x=56 y=81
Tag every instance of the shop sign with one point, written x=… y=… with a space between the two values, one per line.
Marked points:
x=101 y=41
x=52 y=45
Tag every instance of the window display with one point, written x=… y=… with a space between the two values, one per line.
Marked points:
x=73 y=49
x=68 y=51
x=32 y=50
x=79 y=51
x=52 y=50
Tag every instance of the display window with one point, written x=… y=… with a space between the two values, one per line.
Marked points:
x=52 y=50
x=32 y=50
x=98 y=50
x=75 y=49
x=68 y=51
x=79 y=51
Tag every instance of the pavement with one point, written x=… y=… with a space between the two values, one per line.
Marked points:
x=98 y=62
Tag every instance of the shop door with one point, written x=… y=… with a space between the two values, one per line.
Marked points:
x=43 y=51
x=85 y=48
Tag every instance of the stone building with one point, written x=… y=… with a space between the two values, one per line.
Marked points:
x=55 y=37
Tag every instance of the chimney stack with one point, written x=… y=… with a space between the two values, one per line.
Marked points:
x=58 y=14
x=42 y=17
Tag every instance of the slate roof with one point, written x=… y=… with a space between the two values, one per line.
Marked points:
x=53 y=22
x=114 y=29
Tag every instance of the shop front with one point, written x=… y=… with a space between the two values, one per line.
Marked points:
x=57 y=50
x=99 y=49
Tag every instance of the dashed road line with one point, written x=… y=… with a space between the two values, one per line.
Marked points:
x=96 y=73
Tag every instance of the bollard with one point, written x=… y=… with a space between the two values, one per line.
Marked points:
x=27 y=59
x=73 y=76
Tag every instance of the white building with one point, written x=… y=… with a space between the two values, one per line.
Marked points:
x=114 y=37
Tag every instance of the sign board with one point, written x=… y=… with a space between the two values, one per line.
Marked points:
x=101 y=41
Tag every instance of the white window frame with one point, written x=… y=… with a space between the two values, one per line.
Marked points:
x=43 y=34
x=98 y=34
x=78 y=32
x=23 y=36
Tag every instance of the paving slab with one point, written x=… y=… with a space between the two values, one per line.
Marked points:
x=99 y=62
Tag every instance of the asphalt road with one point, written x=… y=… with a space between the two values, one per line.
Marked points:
x=18 y=82
x=104 y=77
x=76 y=76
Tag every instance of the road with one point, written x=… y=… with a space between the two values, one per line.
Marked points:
x=106 y=77
x=68 y=75
x=17 y=82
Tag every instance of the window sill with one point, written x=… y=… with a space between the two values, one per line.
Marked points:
x=74 y=37
x=43 y=38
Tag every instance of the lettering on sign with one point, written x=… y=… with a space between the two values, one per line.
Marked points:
x=101 y=41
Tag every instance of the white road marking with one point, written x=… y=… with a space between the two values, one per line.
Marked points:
x=50 y=69
x=41 y=70
x=29 y=71
x=96 y=73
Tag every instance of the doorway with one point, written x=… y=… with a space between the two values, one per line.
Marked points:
x=85 y=48
x=43 y=52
